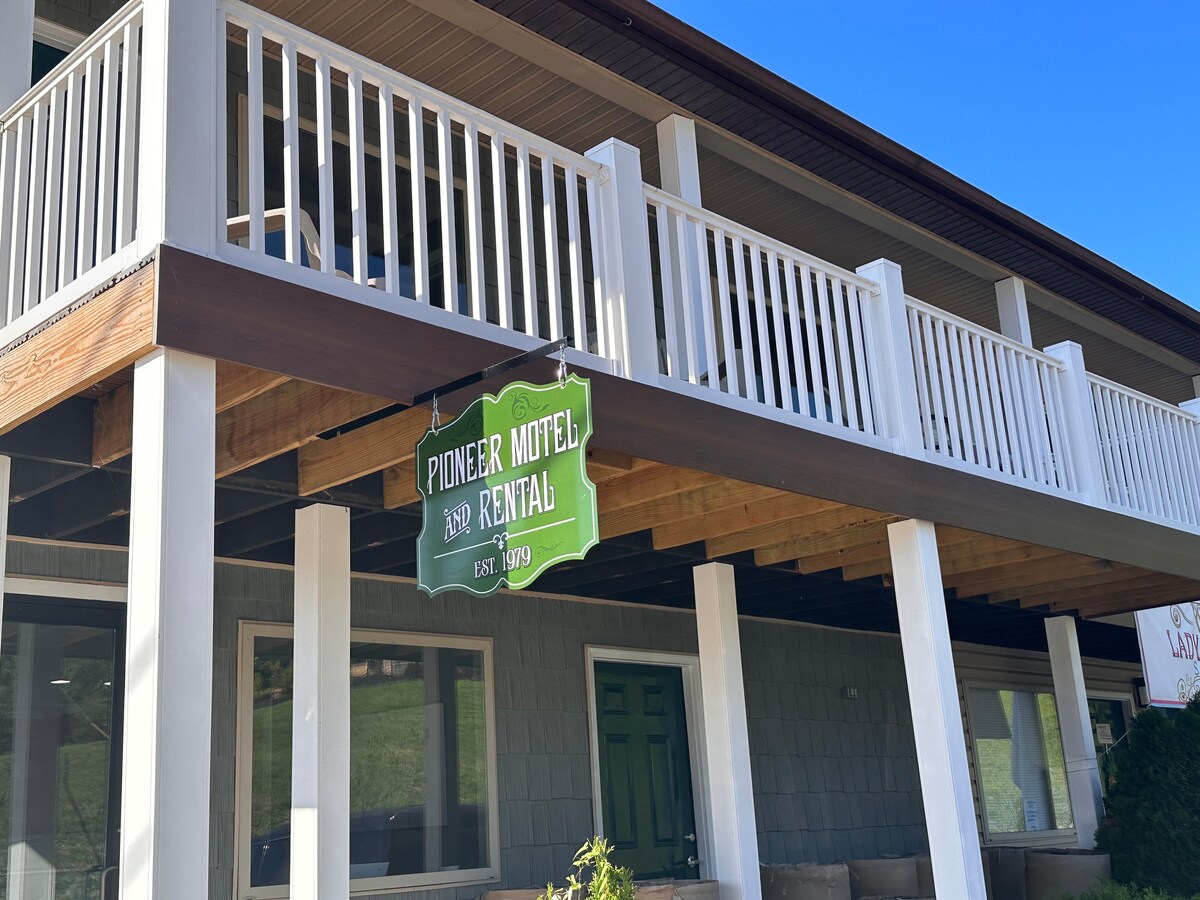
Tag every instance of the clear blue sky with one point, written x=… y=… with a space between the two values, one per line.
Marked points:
x=1084 y=115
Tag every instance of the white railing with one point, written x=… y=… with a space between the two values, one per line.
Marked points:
x=68 y=169
x=501 y=227
x=750 y=317
x=1149 y=451
x=988 y=401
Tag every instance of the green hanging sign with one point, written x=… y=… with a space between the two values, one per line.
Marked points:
x=504 y=488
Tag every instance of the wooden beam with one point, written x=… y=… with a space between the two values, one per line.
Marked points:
x=610 y=461
x=1128 y=602
x=986 y=581
x=796 y=532
x=972 y=557
x=649 y=483
x=704 y=500
x=371 y=448
x=951 y=549
x=1081 y=583
x=283 y=419
x=867 y=532
x=87 y=345
x=112 y=424
x=400 y=485
x=731 y=521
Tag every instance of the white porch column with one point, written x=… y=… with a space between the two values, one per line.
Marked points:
x=629 y=294
x=178 y=191
x=169 y=655
x=678 y=160
x=1079 y=417
x=320 y=865
x=16 y=50
x=733 y=834
x=1014 y=310
x=1079 y=746
x=937 y=717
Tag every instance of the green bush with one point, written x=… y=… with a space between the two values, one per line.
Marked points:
x=1110 y=890
x=1153 y=826
x=595 y=877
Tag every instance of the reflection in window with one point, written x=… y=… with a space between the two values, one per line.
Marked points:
x=418 y=760
x=1018 y=751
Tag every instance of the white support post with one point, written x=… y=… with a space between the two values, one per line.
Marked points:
x=320 y=859
x=1191 y=406
x=678 y=160
x=178 y=153
x=1083 y=438
x=169 y=655
x=1075 y=723
x=16 y=50
x=625 y=242
x=1196 y=385
x=895 y=374
x=937 y=717
x=732 y=830
x=1014 y=310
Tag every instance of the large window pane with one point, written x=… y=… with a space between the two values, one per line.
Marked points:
x=418 y=760
x=1018 y=750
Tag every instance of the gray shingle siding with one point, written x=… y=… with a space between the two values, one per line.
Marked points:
x=834 y=778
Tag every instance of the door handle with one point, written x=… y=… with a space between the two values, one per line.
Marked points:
x=692 y=862
x=690 y=837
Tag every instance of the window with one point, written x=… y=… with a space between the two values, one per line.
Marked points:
x=422 y=761
x=1019 y=761
x=51 y=44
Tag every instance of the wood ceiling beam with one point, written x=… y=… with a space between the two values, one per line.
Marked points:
x=988 y=581
x=880 y=551
x=1140 y=580
x=953 y=551
x=104 y=335
x=1041 y=595
x=963 y=559
x=371 y=448
x=705 y=500
x=731 y=521
x=112 y=420
x=858 y=535
x=284 y=418
x=1128 y=602
x=649 y=483
x=796 y=532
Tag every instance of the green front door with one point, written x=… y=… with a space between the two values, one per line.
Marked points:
x=645 y=769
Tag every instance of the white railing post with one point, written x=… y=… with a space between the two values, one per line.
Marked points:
x=1083 y=437
x=1014 y=310
x=178 y=152
x=628 y=292
x=894 y=376
x=16 y=50
x=678 y=159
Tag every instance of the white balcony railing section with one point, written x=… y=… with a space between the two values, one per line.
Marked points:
x=68 y=171
x=499 y=225
x=750 y=317
x=1150 y=452
x=988 y=401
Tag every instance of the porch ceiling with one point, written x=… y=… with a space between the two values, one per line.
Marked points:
x=284 y=442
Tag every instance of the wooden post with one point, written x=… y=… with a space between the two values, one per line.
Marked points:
x=16 y=50
x=894 y=372
x=1014 y=310
x=1083 y=439
x=937 y=717
x=625 y=244
x=733 y=861
x=178 y=190
x=1075 y=723
x=169 y=658
x=320 y=859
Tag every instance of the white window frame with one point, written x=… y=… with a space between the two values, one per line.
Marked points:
x=1125 y=698
x=244 y=756
x=1055 y=837
x=689 y=666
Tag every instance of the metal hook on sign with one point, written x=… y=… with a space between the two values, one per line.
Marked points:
x=562 y=365
x=436 y=422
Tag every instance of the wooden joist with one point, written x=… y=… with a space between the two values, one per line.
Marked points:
x=112 y=426
x=869 y=531
x=701 y=501
x=283 y=419
x=739 y=519
x=371 y=448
